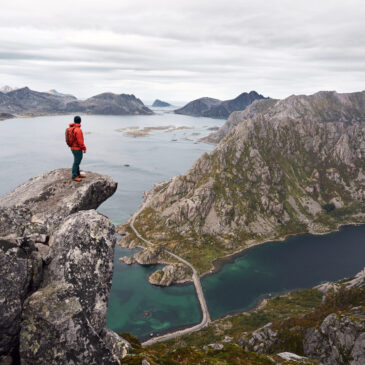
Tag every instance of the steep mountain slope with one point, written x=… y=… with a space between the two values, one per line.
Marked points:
x=297 y=165
x=302 y=107
x=258 y=106
x=214 y=108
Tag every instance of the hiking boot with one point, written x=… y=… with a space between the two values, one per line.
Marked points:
x=76 y=179
x=82 y=176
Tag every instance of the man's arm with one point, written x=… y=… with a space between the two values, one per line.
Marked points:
x=80 y=139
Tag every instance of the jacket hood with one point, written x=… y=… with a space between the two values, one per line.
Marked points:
x=74 y=125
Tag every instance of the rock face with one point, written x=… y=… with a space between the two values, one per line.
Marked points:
x=333 y=339
x=56 y=255
x=214 y=108
x=29 y=102
x=16 y=266
x=261 y=341
x=297 y=166
x=257 y=107
x=160 y=104
x=44 y=201
x=340 y=339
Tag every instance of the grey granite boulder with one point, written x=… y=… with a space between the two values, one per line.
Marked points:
x=262 y=340
x=44 y=201
x=56 y=267
x=82 y=251
x=15 y=279
x=55 y=330
x=340 y=339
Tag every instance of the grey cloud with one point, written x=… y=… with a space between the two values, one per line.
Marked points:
x=185 y=49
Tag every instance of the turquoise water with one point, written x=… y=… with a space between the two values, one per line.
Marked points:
x=32 y=146
x=136 y=306
x=276 y=267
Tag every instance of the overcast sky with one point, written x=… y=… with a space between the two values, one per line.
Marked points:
x=180 y=50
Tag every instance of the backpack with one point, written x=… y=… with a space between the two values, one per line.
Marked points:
x=70 y=136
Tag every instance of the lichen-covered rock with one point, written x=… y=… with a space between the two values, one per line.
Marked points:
x=340 y=339
x=46 y=243
x=116 y=344
x=261 y=341
x=44 y=201
x=214 y=346
x=356 y=282
x=15 y=280
x=148 y=256
x=128 y=260
x=171 y=274
x=289 y=356
x=82 y=251
x=55 y=330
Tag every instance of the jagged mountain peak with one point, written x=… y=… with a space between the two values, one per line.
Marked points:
x=215 y=108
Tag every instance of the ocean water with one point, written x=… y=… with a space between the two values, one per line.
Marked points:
x=35 y=145
x=30 y=146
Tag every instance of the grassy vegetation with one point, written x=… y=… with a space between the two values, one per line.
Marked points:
x=291 y=331
x=189 y=349
x=291 y=315
x=298 y=302
x=231 y=354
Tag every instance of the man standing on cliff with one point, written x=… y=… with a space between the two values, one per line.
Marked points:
x=75 y=139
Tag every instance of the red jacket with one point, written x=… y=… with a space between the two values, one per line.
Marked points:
x=79 y=140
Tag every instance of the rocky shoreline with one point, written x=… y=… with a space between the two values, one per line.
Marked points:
x=218 y=263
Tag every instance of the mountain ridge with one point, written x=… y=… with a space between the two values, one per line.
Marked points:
x=215 y=108
x=27 y=102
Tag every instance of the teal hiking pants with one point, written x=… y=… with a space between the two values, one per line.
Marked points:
x=77 y=160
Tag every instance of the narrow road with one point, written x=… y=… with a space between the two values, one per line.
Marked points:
x=199 y=292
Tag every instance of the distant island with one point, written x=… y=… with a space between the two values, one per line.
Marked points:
x=27 y=102
x=215 y=108
x=160 y=104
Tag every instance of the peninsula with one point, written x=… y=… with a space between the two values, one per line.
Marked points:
x=286 y=167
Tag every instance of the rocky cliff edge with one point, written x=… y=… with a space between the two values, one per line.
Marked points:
x=56 y=267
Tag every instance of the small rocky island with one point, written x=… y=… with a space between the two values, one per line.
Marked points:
x=160 y=104
x=56 y=267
